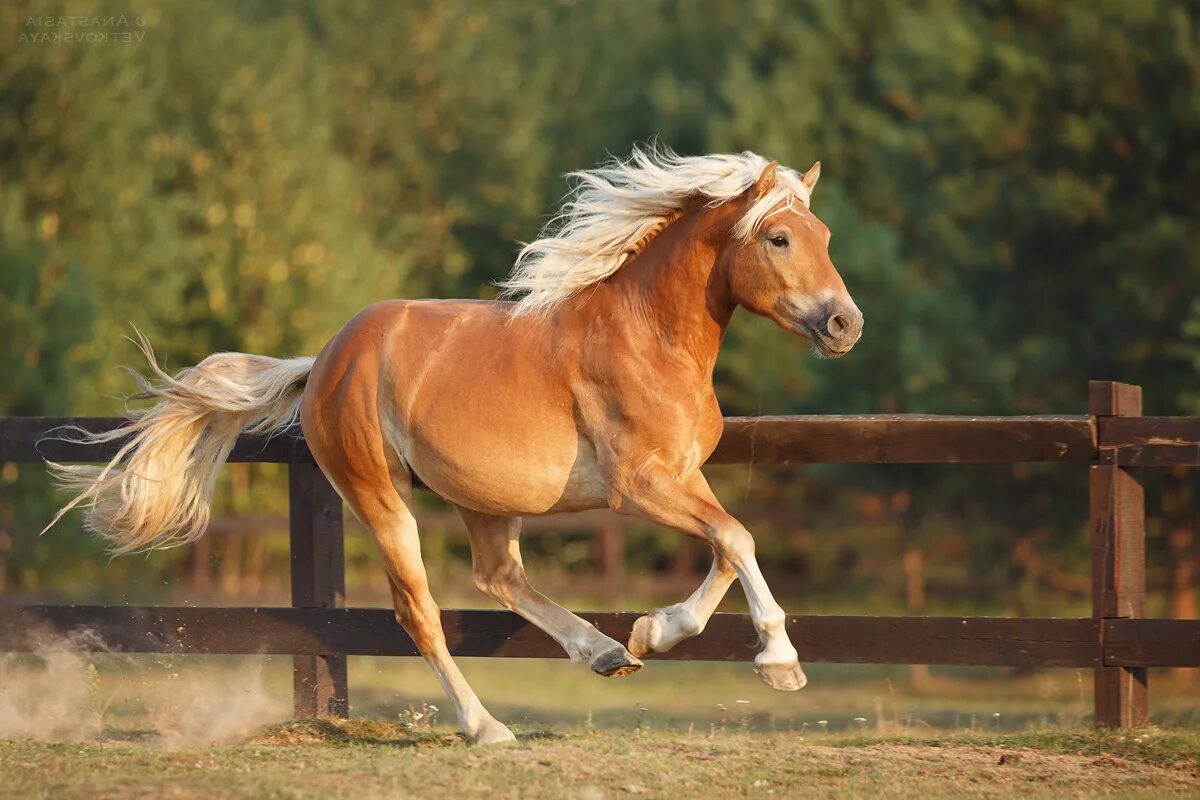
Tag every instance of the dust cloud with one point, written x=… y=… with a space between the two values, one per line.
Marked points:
x=57 y=700
x=214 y=709
x=59 y=693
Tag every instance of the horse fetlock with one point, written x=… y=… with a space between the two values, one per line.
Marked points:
x=770 y=621
x=662 y=629
x=777 y=649
x=683 y=622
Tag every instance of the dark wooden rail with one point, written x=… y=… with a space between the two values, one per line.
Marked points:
x=1116 y=642
x=974 y=641
x=883 y=438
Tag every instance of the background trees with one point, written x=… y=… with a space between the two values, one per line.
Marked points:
x=1012 y=188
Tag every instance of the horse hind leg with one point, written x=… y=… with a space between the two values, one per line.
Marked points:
x=499 y=573
x=385 y=510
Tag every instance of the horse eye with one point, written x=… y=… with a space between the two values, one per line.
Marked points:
x=779 y=241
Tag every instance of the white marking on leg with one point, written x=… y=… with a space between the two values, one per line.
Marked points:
x=769 y=619
x=671 y=625
x=475 y=720
x=395 y=532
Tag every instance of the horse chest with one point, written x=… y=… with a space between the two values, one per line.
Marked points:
x=672 y=423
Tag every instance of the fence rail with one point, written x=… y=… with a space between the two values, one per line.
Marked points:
x=1116 y=641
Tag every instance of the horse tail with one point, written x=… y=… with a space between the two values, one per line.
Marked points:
x=157 y=490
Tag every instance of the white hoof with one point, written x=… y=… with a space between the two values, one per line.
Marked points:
x=491 y=732
x=784 y=677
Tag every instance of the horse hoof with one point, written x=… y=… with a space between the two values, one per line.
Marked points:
x=492 y=732
x=615 y=663
x=641 y=638
x=784 y=677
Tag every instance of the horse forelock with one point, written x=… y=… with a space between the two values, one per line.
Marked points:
x=613 y=212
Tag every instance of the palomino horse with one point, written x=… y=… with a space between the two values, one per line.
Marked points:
x=593 y=389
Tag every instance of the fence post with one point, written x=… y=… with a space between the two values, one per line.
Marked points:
x=1118 y=524
x=318 y=581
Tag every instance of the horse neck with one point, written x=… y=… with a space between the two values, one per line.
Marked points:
x=673 y=293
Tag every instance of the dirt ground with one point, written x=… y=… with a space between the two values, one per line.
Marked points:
x=369 y=759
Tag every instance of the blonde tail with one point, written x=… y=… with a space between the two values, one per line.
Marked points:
x=157 y=490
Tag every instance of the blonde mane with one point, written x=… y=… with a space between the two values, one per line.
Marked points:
x=613 y=211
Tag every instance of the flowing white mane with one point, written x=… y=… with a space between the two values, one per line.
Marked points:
x=611 y=209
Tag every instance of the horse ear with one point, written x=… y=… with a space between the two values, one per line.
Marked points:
x=811 y=177
x=766 y=180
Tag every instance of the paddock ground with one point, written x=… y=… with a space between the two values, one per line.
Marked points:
x=367 y=759
x=118 y=726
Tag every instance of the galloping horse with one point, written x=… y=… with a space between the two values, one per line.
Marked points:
x=593 y=388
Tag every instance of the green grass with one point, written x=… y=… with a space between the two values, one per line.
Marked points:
x=1147 y=745
x=373 y=758
x=191 y=727
x=678 y=695
x=147 y=691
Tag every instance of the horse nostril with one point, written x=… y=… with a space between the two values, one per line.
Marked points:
x=836 y=325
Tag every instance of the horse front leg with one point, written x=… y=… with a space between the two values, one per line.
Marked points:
x=689 y=506
x=663 y=628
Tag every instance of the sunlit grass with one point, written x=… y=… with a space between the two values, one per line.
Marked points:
x=697 y=696
x=380 y=758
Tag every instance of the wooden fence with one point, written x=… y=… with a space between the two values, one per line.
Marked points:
x=1114 y=440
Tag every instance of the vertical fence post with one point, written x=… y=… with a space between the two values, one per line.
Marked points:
x=1118 y=524
x=318 y=581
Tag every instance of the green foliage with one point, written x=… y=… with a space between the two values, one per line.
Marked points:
x=1011 y=186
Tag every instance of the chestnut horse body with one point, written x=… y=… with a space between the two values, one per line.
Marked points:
x=589 y=397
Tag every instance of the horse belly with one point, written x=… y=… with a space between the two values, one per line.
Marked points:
x=481 y=412
x=495 y=472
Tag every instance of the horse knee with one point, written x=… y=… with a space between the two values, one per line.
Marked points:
x=722 y=568
x=733 y=544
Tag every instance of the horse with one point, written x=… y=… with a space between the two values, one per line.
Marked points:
x=588 y=384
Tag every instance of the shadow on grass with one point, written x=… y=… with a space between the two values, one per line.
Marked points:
x=536 y=736
x=369 y=732
x=131 y=735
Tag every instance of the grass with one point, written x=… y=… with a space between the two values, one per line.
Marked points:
x=1148 y=745
x=558 y=695
x=154 y=691
x=373 y=758
x=191 y=727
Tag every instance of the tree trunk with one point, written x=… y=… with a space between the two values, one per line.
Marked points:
x=610 y=553
x=914 y=601
x=1180 y=521
x=1181 y=584
x=201 y=558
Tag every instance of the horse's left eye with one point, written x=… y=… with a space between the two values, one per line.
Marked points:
x=779 y=241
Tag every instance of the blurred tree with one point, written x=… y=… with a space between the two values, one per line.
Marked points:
x=1031 y=161
x=1011 y=185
